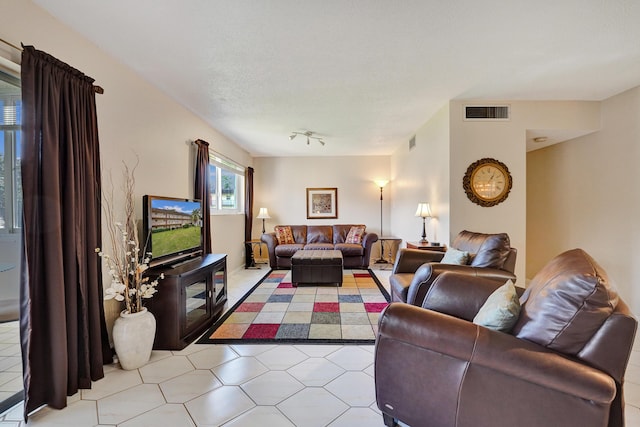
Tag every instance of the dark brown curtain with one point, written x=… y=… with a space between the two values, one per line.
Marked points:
x=248 y=204
x=62 y=327
x=202 y=190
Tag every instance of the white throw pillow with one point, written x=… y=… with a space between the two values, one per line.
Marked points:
x=454 y=256
x=501 y=310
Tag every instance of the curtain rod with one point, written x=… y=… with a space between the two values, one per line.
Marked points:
x=96 y=88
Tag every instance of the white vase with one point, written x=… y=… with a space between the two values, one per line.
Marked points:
x=133 y=335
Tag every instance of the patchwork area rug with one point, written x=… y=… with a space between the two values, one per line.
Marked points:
x=276 y=312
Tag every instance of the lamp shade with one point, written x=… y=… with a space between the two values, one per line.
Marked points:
x=263 y=214
x=381 y=182
x=424 y=210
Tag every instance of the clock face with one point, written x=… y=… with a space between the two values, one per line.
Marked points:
x=487 y=182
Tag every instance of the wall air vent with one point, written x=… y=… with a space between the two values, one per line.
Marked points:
x=412 y=143
x=486 y=112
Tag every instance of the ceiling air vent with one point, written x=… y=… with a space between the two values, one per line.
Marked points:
x=486 y=112
x=412 y=142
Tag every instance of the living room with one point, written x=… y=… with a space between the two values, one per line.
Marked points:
x=579 y=193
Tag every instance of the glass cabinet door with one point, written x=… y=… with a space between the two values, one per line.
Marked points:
x=196 y=303
x=219 y=279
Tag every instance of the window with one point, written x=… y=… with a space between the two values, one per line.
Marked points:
x=10 y=137
x=226 y=182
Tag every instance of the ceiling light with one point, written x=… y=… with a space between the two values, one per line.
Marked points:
x=540 y=139
x=309 y=135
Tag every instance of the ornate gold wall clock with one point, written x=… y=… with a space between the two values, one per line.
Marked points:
x=487 y=182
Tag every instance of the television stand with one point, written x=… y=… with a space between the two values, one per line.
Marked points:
x=190 y=298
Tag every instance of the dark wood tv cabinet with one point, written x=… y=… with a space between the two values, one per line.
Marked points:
x=190 y=298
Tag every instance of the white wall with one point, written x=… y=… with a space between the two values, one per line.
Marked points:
x=422 y=175
x=134 y=118
x=506 y=141
x=584 y=193
x=280 y=185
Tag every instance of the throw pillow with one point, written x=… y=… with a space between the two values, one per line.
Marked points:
x=501 y=310
x=355 y=235
x=454 y=256
x=284 y=235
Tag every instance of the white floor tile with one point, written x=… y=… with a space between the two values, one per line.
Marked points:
x=316 y=371
x=219 y=406
x=272 y=387
x=165 y=369
x=358 y=417
x=212 y=356
x=351 y=358
x=128 y=404
x=281 y=357
x=312 y=407
x=267 y=416
x=82 y=413
x=165 y=415
x=353 y=388
x=189 y=386
x=114 y=382
x=240 y=370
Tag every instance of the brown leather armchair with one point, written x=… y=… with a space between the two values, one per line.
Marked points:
x=562 y=364
x=415 y=270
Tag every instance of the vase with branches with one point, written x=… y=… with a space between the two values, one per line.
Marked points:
x=128 y=261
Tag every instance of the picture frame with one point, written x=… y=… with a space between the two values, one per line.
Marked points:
x=322 y=203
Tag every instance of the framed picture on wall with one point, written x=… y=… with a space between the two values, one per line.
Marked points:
x=322 y=203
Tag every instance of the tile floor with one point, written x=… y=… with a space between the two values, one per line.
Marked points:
x=241 y=385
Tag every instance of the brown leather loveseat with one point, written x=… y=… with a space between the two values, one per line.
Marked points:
x=354 y=255
x=561 y=364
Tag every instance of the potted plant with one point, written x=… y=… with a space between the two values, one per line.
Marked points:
x=134 y=330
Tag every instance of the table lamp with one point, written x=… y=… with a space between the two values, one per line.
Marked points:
x=263 y=214
x=424 y=211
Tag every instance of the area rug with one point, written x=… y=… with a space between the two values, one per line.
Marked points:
x=275 y=311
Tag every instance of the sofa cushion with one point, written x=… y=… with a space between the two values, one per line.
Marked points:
x=340 y=231
x=486 y=250
x=566 y=302
x=288 y=250
x=319 y=234
x=355 y=235
x=500 y=311
x=284 y=235
x=350 y=249
x=319 y=246
x=454 y=256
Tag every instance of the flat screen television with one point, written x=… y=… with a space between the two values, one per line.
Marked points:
x=172 y=229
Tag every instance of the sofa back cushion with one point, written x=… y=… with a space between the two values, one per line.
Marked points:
x=485 y=250
x=566 y=303
x=341 y=231
x=319 y=234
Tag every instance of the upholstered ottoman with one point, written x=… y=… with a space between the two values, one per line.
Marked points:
x=316 y=267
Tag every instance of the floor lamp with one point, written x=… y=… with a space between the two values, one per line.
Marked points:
x=381 y=183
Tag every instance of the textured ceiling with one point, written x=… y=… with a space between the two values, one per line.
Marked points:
x=364 y=75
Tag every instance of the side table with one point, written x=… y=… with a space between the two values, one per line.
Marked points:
x=382 y=259
x=426 y=246
x=249 y=247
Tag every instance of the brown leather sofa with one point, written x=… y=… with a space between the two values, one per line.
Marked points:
x=414 y=270
x=316 y=237
x=562 y=364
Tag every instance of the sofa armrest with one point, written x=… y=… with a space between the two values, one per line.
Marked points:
x=427 y=273
x=483 y=349
x=409 y=260
x=368 y=239
x=271 y=241
x=460 y=295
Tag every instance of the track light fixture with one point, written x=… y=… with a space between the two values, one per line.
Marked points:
x=309 y=135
